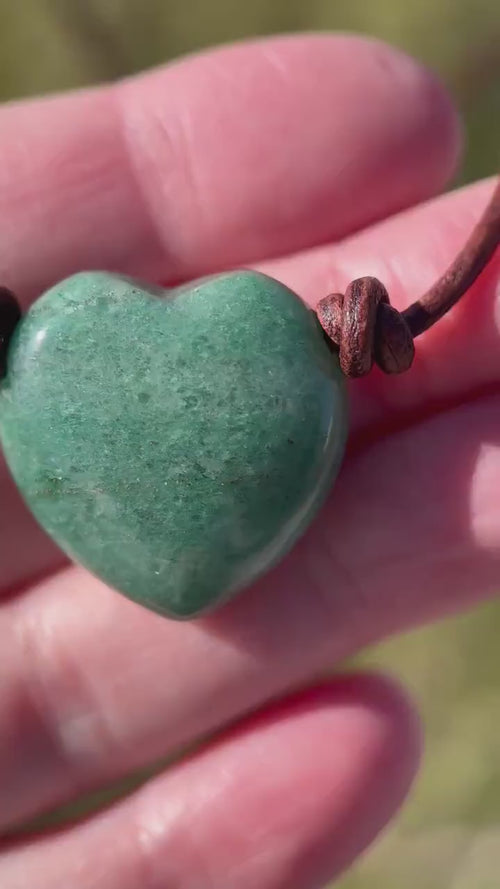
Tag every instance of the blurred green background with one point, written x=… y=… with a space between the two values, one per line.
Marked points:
x=448 y=836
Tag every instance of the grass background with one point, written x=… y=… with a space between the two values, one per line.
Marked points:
x=448 y=836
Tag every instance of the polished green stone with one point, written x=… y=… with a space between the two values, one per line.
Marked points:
x=175 y=443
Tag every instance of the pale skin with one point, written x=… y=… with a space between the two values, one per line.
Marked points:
x=299 y=149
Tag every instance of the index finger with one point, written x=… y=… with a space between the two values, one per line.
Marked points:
x=229 y=157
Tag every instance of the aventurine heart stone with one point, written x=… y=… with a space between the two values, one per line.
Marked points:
x=176 y=443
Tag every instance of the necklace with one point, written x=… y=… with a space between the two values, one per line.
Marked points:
x=177 y=443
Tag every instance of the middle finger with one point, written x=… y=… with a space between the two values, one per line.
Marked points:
x=95 y=686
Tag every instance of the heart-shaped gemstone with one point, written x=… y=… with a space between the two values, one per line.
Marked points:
x=175 y=443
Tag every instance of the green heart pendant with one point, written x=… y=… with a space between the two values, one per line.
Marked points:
x=176 y=444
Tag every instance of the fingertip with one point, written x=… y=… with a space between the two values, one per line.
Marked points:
x=438 y=126
x=378 y=709
x=367 y=750
x=384 y=700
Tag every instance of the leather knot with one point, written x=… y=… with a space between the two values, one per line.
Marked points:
x=366 y=329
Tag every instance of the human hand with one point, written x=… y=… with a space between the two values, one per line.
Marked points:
x=282 y=148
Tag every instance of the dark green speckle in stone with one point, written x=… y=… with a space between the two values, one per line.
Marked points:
x=176 y=446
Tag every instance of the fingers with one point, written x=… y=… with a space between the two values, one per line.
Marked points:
x=94 y=686
x=454 y=360
x=289 y=798
x=248 y=151
x=83 y=174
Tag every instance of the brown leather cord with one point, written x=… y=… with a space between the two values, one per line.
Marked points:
x=366 y=328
